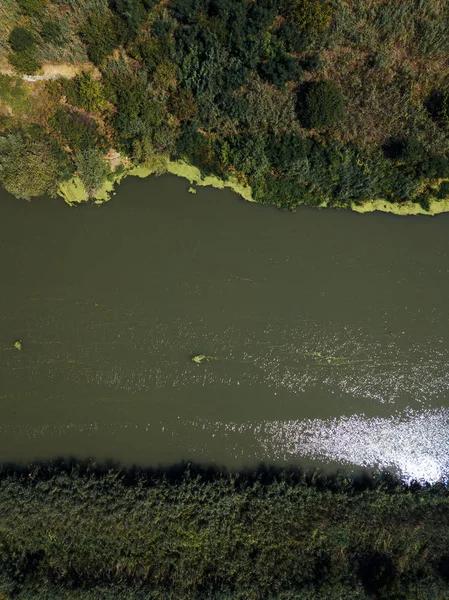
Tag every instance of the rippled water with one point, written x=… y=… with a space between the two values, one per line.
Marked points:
x=327 y=333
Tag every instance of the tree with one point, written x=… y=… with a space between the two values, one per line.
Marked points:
x=86 y=92
x=311 y=15
x=91 y=169
x=101 y=32
x=28 y=167
x=21 y=39
x=320 y=104
x=281 y=68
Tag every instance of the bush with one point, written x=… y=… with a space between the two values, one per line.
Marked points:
x=320 y=104
x=133 y=15
x=86 y=92
x=311 y=15
x=91 y=169
x=32 y=7
x=24 y=62
x=52 y=33
x=28 y=167
x=293 y=39
x=21 y=39
x=312 y=63
x=280 y=69
x=443 y=191
x=102 y=33
x=77 y=130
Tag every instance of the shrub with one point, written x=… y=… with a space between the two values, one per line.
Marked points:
x=52 y=33
x=133 y=15
x=312 y=63
x=91 y=169
x=21 y=39
x=86 y=92
x=280 y=69
x=320 y=104
x=293 y=39
x=77 y=129
x=24 y=62
x=28 y=167
x=443 y=191
x=32 y=7
x=13 y=93
x=102 y=33
x=311 y=15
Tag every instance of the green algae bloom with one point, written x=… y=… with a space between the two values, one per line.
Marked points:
x=199 y=358
x=18 y=345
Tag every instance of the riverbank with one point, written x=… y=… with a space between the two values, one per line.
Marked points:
x=82 y=531
x=73 y=191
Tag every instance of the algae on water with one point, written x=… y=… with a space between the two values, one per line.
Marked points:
x=18 y=345
x=201 y=358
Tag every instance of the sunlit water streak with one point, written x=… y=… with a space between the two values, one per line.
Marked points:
x=296 y=359
x=412 y=444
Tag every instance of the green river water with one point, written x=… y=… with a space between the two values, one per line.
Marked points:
x=328 y=332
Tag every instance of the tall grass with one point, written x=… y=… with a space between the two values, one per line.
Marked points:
x=70 y=531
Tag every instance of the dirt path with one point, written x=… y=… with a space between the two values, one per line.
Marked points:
x=54 y=71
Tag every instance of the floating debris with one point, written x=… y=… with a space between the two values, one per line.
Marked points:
x=199 y=358
x=192 y=190
x=18 y=345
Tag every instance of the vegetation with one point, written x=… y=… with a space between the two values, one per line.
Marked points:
x=28 y=166
x=21 y=39
x=305 y=101
x=320 y=104
x=86 y=532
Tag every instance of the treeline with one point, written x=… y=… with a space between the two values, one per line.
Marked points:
x=81 y=531
x=306 y=101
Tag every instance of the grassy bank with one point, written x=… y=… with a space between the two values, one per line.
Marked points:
x=316 y=102
x=72 y=531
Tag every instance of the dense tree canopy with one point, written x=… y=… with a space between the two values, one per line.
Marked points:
x=299 y=99
x=28 y=167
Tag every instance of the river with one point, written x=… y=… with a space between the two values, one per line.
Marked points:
x=327 y=332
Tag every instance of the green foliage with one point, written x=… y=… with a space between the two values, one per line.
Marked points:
x=139 y=114
x=12 y=93
x=21 y=39
x=133 y=13
x=85 y=92
x=266 y=108
x=198 y=149
x=280 y=69
x=311 y=15
x=24 y=62
x=312 y=63
x=320 y=104
x=102 y=32
x=443 y=112
x=288 y=154
x=82 y=533
x=52 y=33
x=32 y=8
x=28 y=167
x=213 y=81
x=77 y=129
x=443 y=191
x=91 y=168
x=293 y=39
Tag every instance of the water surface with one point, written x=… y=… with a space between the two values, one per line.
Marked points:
x=328 y=330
